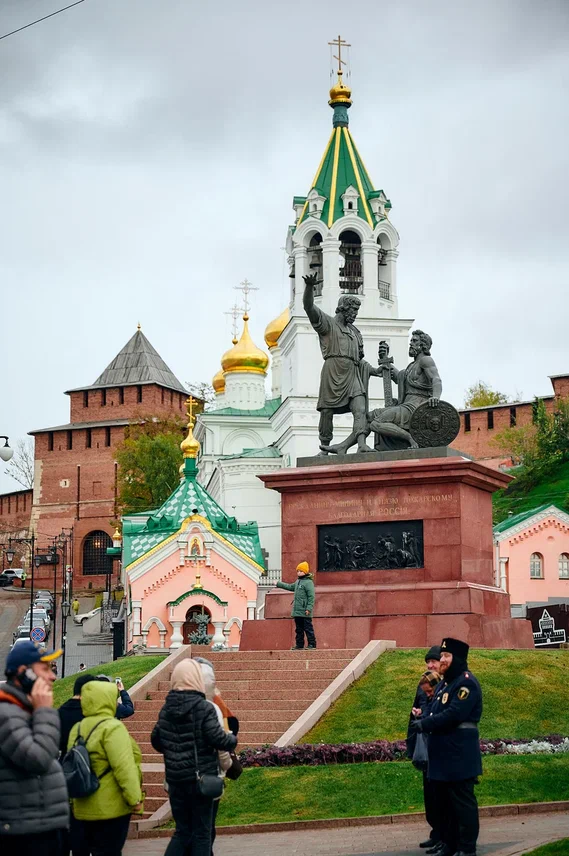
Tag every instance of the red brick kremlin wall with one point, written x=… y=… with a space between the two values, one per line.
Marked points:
x=75 y=481
x=479 y=426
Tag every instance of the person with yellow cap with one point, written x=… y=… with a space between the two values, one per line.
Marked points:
x=302 y=606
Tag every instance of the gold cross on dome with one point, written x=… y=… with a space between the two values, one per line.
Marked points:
x=339 y=43
x=190 y=402
x=246 y=287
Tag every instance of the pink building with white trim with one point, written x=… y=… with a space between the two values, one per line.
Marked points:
x=532 y=556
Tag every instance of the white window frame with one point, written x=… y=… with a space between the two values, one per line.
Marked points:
x=563 y=566
x=536 y=564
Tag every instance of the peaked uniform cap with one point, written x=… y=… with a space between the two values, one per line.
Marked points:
x=455 y=647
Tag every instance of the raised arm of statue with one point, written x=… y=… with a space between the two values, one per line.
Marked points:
x=319 y=320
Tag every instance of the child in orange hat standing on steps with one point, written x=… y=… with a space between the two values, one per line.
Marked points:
x=302 y=606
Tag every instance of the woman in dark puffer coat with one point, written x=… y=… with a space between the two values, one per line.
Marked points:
x=187 y=723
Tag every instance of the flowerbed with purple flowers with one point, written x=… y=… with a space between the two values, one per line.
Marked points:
x=320 y=754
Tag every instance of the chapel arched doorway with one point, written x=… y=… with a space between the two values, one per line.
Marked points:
x=190 y=624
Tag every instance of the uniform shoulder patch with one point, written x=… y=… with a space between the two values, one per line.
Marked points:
x=463 y=693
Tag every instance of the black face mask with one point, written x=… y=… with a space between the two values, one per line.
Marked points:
x=456 y=668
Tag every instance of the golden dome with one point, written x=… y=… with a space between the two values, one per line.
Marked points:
x=245 y=356
x=218 y=382
x=340 y=93
x=274 y=329
x=190 y=446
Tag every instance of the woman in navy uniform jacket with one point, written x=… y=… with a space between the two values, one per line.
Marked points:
x=455 y=760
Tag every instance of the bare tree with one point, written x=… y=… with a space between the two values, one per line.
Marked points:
x=21 y=467
x=202 y=391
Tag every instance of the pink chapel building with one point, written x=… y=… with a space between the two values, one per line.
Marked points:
x=188 y=559
x=532 y=557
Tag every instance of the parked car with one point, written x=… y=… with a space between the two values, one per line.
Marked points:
x=13 y=573
x=39 y=613
x=24 y=628
x=79 y=619
x=5 y=581
x=44 y=604
x=44 y=594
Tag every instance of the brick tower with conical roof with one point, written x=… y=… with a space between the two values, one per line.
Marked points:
x=75 y=484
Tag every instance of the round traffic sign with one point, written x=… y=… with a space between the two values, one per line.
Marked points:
x=37 y=634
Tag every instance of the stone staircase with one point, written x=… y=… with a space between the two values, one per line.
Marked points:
x=266 y=690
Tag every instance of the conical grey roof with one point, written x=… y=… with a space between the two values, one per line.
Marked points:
x=137 y=363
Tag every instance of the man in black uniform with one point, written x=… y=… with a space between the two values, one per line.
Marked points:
x=422 y=702
x=455 y=760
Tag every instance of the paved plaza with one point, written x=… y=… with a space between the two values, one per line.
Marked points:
x=500 y=836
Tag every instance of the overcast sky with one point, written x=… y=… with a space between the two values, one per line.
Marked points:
x=150 y=150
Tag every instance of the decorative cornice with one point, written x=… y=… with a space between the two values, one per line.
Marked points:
x=196 y=593
x=532 y=523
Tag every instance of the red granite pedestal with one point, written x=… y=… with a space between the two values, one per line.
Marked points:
x=453 y=594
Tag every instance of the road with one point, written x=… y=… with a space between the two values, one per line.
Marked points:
x=13 y=605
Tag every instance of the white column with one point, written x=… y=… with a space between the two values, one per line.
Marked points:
x=136 y=620
x=300 y=255
x=218 y=637
x=251 y=607
x=369 y=265
x=145 y=638
x=162 y=638
x=176 y=639
x=330 y=274
x=276 y=364
x=391 y=277
x=503 y=572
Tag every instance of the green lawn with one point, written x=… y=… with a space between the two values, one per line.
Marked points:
x=130 y=669
x=558 y=848
x=554 y=491
x=525 y=695
x=266 y=795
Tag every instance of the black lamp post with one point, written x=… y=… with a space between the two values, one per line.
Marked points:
x=65 y=612
x=9 y=553
x=53 y=558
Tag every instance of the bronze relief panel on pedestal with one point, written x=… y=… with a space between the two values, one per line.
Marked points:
x=370 y=546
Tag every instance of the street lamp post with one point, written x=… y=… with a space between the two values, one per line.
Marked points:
x=65 y=612
x=53 y=557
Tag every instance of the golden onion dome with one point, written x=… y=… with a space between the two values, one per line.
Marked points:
x=245 y=356
x=190 y=446
x=218 y=382
x=340 y=93
x=274 y=329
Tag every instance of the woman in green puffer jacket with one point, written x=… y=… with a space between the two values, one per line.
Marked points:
x=115 y=759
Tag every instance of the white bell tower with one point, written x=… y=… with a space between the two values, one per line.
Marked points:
x=343 y=233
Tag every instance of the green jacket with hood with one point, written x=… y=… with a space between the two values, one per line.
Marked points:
x=110 y=748
x=303 y=590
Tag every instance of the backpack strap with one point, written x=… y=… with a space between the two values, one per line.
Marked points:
x=100 y=722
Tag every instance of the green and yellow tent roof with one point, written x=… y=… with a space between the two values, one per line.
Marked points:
x=341 y=167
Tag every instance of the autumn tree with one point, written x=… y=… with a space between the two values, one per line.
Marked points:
x=148 y=460
x=480 y=394
x=21 y=467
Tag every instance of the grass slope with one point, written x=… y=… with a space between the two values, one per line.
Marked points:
x=525 y=695
x=265 y=795
x=555 y=491
x=557 y=848
x=130 y=669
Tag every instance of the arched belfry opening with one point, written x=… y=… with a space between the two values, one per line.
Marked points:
x=351 y=273
x=315 y=260
x=384 y=268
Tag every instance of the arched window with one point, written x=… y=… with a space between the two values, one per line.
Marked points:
x=351 y=273
x=564 y=566
x=95 y=559
x=536 y=566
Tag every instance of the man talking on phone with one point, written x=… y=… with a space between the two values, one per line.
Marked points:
x=34 y=806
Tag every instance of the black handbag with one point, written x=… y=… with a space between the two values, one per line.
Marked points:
x=209 y=786
x=236 y=768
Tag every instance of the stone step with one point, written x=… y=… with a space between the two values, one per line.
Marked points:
x=298 y=664
x=310 y=654
x=301 y=694
x=224 y=679
x=257 y=738
x=154 y=777
x=281 y=706
x=259 y=722
x=262 y=689
x=155 y=789
x=152 y=804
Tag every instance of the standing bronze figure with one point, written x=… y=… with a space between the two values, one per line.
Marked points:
x=343 y=381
